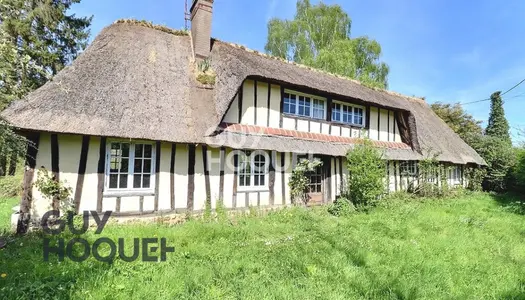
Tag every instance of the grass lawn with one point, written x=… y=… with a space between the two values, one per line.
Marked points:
x=467 y=248
x=6 y=209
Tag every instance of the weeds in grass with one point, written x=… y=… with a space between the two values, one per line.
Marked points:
x=468 y=247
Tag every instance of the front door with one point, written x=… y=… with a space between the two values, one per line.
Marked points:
x=315 y=186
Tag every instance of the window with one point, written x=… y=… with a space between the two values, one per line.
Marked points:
x=130 y=166
x=409 y=168
x=455 y=175
x=304 y=106
x=252 y=169
x=348 y=114
x=315 y=180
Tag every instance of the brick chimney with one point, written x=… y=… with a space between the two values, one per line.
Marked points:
x=201 y=12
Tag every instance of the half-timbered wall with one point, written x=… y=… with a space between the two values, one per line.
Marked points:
x=260 y=103
x=186 y=176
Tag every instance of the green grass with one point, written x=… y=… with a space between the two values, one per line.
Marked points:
x=6 y=209
x=467 y=248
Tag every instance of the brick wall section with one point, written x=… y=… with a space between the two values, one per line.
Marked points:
x=201 y=16
x=259 y=130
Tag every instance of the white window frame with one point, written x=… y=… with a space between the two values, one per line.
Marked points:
x=130 y=189
x=408 y=167
x=353 y=107
x=252 y=155
x=312 y=99
x=455 y=174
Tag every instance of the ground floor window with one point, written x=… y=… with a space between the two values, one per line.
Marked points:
x=455 y=174
x=252 y=169
x=130 y=166
x=408 y=168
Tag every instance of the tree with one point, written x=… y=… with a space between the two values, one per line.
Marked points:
x=37 y=39
x=498 y=125
x=319 y=36
x=500 y=158
x=458 y=120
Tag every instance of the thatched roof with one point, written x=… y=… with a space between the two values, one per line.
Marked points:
x=137 y=81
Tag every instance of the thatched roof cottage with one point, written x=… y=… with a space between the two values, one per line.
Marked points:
x=151 y=120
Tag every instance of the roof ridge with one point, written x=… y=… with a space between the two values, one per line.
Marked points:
x=164 y=28
x=239 y=46
x=149 y=24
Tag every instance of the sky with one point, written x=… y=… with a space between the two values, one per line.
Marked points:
x=448 y=50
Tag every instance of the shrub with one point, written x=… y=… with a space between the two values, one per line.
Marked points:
x=51 y=188
x=367 y=171
x=475 y=176
x=341 y=207
x=500 y=158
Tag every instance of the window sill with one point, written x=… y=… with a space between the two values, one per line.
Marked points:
x=304 y=118
x=252 y=189
x=356 y=126
x=128 y=193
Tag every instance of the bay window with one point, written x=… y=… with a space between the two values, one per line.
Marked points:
x=130 y=166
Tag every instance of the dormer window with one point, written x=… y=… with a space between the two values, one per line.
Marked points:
x=304 y=105
x=348 y=114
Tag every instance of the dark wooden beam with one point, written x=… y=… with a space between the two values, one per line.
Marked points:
x=328 y=110
x=379 y=124
x=269 y=104
x=157 y=175
x=235 y=175
x=239 y=102
x=341 y=171
x=271 y=182
x=172 y=175
x=191 y=176
x=283 y=181
x=81 y=172
x=55 y=168
x=255 y=102
x=101 y=172
x=334 y=160
x=33 y=141
x=394 y=125
x=222 y=159
x=206 y=174
x=281 y=109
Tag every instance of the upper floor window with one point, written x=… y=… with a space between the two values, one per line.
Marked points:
x=348 y=114
x=130 y=166
x=252 y=170
x=303 y=105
